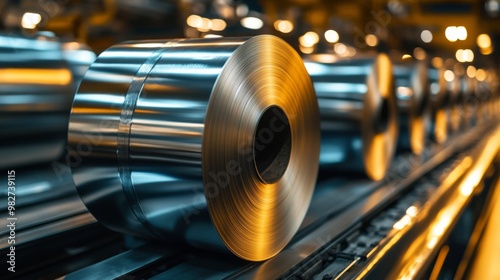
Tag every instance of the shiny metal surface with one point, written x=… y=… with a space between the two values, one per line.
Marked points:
x=414 y=107
x=36 y=91
x=38 y=184
x=358 y=108
x=412 y=247
x=210 y=141
x=440 y=99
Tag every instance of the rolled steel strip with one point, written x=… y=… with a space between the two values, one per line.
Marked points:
x=214 y=142
x=414 y=107
x=358 y=109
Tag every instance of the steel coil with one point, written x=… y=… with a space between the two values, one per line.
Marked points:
x=210 y=141
x=358 y=109
x=36 y=90
x=412 y=91
x=440 y=99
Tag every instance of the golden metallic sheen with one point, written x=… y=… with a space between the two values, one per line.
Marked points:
x=211 y=141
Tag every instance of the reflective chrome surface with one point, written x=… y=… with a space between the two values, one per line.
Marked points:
x=36 y=92
x=358 y=108
x=211 y=141
x=440 y=100
x=39 y=184
x=414 y=107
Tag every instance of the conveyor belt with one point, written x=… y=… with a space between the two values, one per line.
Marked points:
x=347 y=228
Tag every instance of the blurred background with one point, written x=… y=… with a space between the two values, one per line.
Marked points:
x=466 y=31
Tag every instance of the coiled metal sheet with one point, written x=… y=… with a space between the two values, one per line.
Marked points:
x=440 y=100
x=358 y=110
x=412 y=91
x=36 y=90
x=202 y=140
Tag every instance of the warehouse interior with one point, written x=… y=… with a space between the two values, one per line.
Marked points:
x=250 y=139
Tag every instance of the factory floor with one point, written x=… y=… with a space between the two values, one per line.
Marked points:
x=487 y=262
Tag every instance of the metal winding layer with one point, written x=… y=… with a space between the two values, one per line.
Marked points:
x=358 y=110
x=211 y=141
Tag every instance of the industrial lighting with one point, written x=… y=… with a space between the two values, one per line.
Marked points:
x=459 y=55
x=461 y=33
x=449 y=76
x=283 y=26
x=212 y=36
x=218 y=24
x=194 y=21
x=471 y=71
x=426 y=36
x=309 y=39
x=252 y=23
x=454 y=33
x=492 y=7
x=30 y=20
x=371 y=40
x=451 y=33
x=332 y=36
x=306 y=50
x=419 y=53
x=480 y=75
x=340 y=49
x=242 y=10
x=437 y=62
x=483 y=41
x=486 y=51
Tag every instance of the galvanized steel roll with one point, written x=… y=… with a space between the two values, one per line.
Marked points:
x=358 y=109
x=414 y=107
x=37 y=86
x=211 y=141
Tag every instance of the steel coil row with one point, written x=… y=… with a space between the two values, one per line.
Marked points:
x=219 y=142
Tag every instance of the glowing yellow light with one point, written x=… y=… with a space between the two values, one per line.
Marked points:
x=309 y=39
x=449 y=76
x=459 y=55
x=468 y=55
x=212 y=36
x=426 y=36
x=283 y=26
x=30 y=20
x=480 y=75
x=451 y=33
x=306 y=50
x=371 y=40
x=486 y=51
x=194 y=21
x=419 y=53
x=483 y=41
x=471 y=71
x=35 y=76
x=252 y=23
x=218 y=24
x=412 y=211
x=332 y=36
x=461 y=33
x=437 y=62
x=340 y=49
x=405 y=221
x=406 y=56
